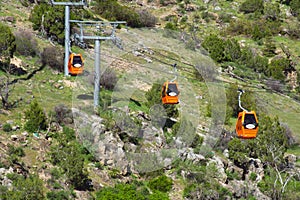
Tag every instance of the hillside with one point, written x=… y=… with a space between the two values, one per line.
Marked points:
x=54 y=144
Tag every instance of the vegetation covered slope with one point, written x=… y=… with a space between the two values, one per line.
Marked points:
x=55 y=145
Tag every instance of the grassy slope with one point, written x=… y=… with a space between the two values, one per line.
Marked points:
x=41 y=86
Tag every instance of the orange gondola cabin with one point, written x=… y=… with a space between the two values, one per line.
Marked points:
x=75 y=64
x=170 y=93
x=247 y=125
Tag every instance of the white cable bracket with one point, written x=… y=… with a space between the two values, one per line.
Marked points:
x=240 y=91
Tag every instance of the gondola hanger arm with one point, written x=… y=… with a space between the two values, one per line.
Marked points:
x=175 y=71
x=240 y=91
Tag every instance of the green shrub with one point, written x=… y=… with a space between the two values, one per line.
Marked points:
x=120 y=192
x=295 y=7
x=277 y=68
x=253 y=176
x=18 y=151
x=207 y=16
x=272 y=11
x=232 y=50
x=52 y=24
x=186 y=127
x=7 y=43
x=225 y=17
x=157 y=195
x=239 y=27
x=215 y=46
x=293 y=30
x=26 y=45
x=161 y=183
x=36 y=118
x=252 y=61
x=7 y=127
x=70 y=158
x=30 y=187
x=171 y=26
x=233 y=175
x=269 y=47
x=56 y=173
x=257 y=33
x=251 y=6
x=112 y=10
x=58 y=195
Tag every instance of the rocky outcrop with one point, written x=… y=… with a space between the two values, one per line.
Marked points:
x=3 y=176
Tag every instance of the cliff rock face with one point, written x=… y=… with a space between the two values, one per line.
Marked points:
x=147 y=150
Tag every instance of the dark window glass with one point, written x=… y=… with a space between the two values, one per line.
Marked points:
x=172 y=88
x=249 y=119
x=77 y=60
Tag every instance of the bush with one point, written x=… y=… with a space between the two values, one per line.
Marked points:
x=270 y=47
x=49 y=20
x=293 y=31
x=26 y=45
x=215 y=46
x=260 y=30
x=30 y=187
x=7 y=43
x=7 y=127
x=121 y=192
x=197 y=143
x=232 y=50
x=225 y=17
x=157 y=195
x=36 y=118
x=239 y=27
x=161 y=183
x=272 y=11
x=58 y=195
x=147 y=19
x=63 y=114
x=253 y=176
x=207 y=16
x=171 y=26
x=295 y=7
x=53 y=57
x=277 y=68
x=251 y=6
x=105 y=101
x=112 y=10
x=252 y=60
x=18 y=151
x=109 y=79
x=70 y=158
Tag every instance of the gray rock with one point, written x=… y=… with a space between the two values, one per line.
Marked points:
x=14 y=137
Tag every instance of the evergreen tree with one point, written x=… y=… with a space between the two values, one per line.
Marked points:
x=36 y=118
x=7 y=45
x=232 y=50
x=215 y=46
x=277 y=68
